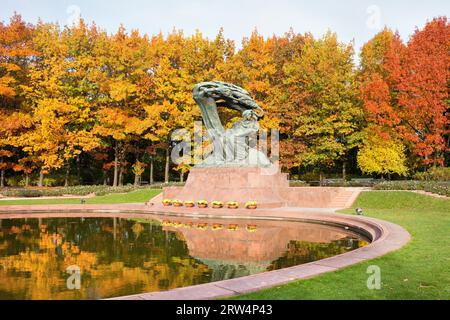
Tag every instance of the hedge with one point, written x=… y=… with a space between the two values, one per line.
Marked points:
x=437 y=187
x=98 y=190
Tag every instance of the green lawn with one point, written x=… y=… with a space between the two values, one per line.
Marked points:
x=421 y=270
x=142 y=195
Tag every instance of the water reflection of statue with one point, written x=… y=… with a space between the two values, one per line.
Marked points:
x=237 y=145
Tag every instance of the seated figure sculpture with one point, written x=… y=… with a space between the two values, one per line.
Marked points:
x=236 y=146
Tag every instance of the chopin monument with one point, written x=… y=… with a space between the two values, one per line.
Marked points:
x=235 y=170
x=236 y=146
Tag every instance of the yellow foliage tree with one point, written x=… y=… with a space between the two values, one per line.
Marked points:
x=380 y=154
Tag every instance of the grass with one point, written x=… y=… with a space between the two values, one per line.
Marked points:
x=142 y=195
x=421 y=270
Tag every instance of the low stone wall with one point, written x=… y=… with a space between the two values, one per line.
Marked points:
x=310 y=197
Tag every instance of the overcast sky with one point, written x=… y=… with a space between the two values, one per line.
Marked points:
x=356 y=20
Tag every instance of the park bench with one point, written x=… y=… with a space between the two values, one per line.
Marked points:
x=333 y=182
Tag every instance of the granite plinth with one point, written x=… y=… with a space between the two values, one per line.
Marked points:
x=239 y=184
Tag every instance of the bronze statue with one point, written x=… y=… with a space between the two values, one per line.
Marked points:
x=236 y=146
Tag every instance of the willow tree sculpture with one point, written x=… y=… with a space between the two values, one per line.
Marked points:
x=235 y=146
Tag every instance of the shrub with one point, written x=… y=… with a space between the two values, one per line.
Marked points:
x=441 y=188
x=98 y=190
x=434 y=174
x=310 y=176
x=16 y=181
x=26 y=193
x=298 y=183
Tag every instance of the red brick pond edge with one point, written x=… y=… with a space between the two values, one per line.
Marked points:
x=386 y=237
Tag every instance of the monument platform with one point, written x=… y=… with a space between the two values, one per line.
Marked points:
x=239 y=184
x=268 y=189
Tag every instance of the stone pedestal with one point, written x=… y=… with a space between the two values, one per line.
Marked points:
x=239 y=184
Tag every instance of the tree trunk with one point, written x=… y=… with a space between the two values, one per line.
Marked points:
x=116 y=161
x=2 y=178
x=121 y=174
x=344 y=173
x=27 y=180
x=105 y=177
x=435 y=156
x=66 y=179
x=151 y=173
x=41 y=179
x=181 y=177
x=78 y=170
x=321 y=179
x=166 y=171
x=137 y=179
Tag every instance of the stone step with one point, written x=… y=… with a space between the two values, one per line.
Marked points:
x=344 y=199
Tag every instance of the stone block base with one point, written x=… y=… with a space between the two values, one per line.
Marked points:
x=232 y=184
x=268 y=189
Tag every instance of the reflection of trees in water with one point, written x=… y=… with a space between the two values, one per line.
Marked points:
x=143 y=258
x=299 y=252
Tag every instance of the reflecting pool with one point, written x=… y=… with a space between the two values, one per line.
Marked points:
x=94 y=258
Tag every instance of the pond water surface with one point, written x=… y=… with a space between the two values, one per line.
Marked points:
x=41 y=258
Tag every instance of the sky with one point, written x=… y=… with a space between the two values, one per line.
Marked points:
x=352 y=20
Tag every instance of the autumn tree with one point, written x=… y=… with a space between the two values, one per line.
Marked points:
x=178 y=64
x=405 y=88
x=16 y=51
x=381 y=154
x=284 y=49
x=379 y=75
x=124 y=65
x=62 y=95
x=253 y=68
x=424 y=94
x=323 y=89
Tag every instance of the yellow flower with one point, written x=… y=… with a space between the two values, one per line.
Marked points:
x=167 y=202
x=251 y=204
x=202 y=203
x=233 y=204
